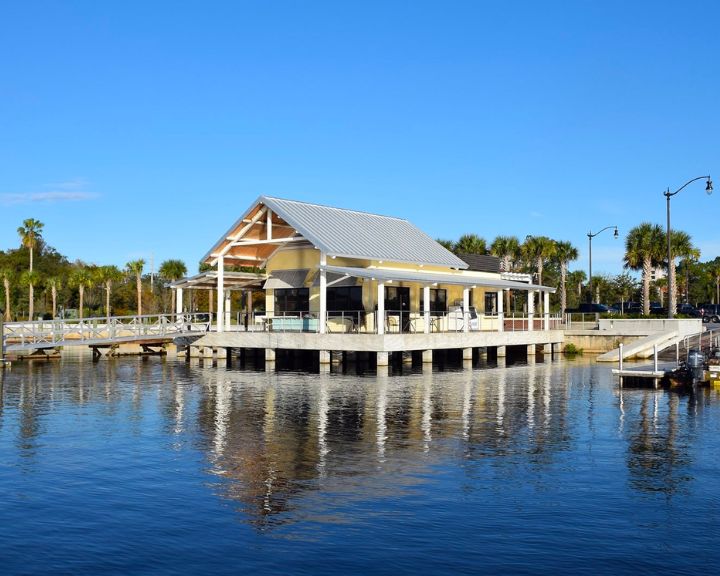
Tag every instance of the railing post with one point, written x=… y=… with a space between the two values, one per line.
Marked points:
x=655 y=358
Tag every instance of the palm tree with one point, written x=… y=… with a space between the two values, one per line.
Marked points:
x=470 y=244
x=538 y=249
x=644 y=248
x=30 y=233
x=680 y=245
x=447 y=244
x=577 y=279
x=7 y=274
x=106 y=275
x=714 y=270
x=82 y=278
x=54 y=283
x=135 y=268
x=564 y=254
x=172 y=270
x=31 y=279
x=507 y=248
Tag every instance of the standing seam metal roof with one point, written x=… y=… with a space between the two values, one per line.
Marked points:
x=352 y=234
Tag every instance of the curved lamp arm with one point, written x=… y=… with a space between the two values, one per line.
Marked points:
x=708 y=188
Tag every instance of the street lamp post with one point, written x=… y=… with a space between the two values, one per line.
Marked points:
x=590 y=236
x=668 y=195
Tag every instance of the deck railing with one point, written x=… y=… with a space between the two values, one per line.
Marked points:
x=394 y=321
x=69 y=331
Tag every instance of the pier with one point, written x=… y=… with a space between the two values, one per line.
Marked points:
x=151 y=332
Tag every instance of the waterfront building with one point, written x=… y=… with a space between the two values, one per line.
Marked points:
x=337 y=279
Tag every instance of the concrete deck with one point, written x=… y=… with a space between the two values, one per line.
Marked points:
x=376 y=342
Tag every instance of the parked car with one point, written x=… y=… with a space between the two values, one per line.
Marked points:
x=588 y=308
x=657 y=308
x=688 y=310
x=710 y=312
x=627 y=307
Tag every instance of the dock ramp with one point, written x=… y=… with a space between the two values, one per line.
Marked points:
x=643 y=348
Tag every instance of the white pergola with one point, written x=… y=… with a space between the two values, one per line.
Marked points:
x=210 y=280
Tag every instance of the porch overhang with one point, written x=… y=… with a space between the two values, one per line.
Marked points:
x=387 y=275
x=231 y=281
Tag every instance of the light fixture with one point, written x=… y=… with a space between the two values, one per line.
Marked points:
x=709 y=186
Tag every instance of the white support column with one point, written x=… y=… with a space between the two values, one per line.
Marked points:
x=268 y=222
x=466 y=309
x=178 y=301
x=531 y=309
x=220 y=294
x=546 y=310
x=323 y=293
x=380 y=320
x=501 y=311
x=426 y=311
x=228 y=308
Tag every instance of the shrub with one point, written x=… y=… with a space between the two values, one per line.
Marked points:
x=570 y=349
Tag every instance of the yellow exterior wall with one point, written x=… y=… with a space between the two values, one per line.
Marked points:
x=299 y=258
x=294 y=259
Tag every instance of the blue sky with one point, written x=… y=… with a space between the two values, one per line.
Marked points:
x=144 y=129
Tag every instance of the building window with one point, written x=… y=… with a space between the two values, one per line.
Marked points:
x=491 y=303
x=438 y=300
x=292 y=299
x=344 y=299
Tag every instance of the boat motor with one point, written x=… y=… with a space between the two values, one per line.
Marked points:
x=695 y=363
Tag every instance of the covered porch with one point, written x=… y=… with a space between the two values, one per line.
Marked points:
x=350 y=300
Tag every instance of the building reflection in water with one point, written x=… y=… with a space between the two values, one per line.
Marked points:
x=273 y=441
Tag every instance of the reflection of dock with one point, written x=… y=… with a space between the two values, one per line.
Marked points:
x=640 y=372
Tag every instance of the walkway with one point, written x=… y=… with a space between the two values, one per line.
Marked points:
x=29 y=336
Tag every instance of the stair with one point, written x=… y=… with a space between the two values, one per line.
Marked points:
x=642 y=348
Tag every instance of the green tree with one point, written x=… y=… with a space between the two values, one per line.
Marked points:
x=565 y=253
x=623 y=286
x=170 y=271
x=447 y=244
x=470 y=244
x=576 y=279
x=30 y=278
x=54 y=283
x=135 y=268
x=507 y=248
x=30 y=234
x=538 y=249
x=680 y=246
x=643 y=250
x=7 y=274
x=713 y=268
x=82 y=278
x=107 y=275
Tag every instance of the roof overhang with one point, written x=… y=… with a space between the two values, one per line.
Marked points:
x=231 y=281
x=272 y=223
x=430 y=278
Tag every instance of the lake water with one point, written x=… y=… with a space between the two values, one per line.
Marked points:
x=160 y=466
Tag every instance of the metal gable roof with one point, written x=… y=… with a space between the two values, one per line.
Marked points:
x=353 y=234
